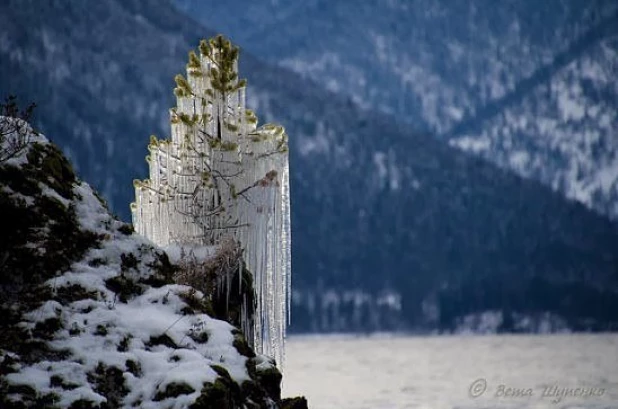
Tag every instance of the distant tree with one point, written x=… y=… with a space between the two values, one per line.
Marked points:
x=14 y=128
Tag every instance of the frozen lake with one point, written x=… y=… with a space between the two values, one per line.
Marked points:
x=447 y=372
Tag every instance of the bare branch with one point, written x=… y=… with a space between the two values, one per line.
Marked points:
x=14 y=128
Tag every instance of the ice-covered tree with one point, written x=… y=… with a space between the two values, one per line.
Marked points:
x=220 y=178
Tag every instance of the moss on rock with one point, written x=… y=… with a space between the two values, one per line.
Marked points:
x=42 y=236
x=162 y=339
x=30 y=398
x=124 y=287
x=266 y=377
x=162 y=270
x=174 y=390
x=72 y=293
x=126 y=229
x=32 y=351
x=241 y=344
x=47 y=328
x=84 y=404
x=123 y=346
x=101 y=330
x=195 y=304
x=108 y=381
x=270 y=380
x=294 y=403
x=47 y=163
x=58 y=381
x=201 y=337
x=134 y=368
x=128 y=261
x=219 y=394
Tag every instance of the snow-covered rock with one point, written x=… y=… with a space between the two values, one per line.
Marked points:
x=91 y=315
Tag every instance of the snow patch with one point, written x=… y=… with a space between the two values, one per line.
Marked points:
x=471 y=144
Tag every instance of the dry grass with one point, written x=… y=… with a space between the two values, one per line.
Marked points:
x=210 y=275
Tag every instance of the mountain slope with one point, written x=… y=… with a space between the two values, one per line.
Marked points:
x=384 y=219
x=562 y=132
x=91 y=314
x=480 y=71
x=423 y=62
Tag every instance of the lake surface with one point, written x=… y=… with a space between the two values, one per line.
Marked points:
x=447 y=372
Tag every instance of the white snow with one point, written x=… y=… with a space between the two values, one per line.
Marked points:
x=471 y=144
x=156 y=312
x=569 y=102
x=53 y=194
x=486 y=322
x=387 y=173
x=379 y=160
x=455 y=113
x=519 y=159
x=102 y=330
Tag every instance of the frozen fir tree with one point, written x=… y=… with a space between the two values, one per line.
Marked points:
x=220 y=178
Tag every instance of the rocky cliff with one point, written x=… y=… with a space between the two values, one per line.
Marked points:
x=92 y=316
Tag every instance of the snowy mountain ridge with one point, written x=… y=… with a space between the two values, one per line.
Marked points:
x=563 y=132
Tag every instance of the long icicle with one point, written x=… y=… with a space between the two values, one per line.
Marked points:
x=221 y=177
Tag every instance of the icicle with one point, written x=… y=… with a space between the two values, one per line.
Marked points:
x=215 y=139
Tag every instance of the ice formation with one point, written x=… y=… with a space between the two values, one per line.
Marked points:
x=220 y=177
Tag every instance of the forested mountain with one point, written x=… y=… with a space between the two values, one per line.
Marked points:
x=530 y=86
x=392 y=228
